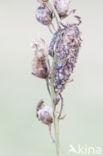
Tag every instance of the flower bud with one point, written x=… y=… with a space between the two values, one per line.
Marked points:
x=44 y=113
x=62 y=7
x=44 y=15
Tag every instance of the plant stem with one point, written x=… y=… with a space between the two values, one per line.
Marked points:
x=56 y=121
x=53 y=95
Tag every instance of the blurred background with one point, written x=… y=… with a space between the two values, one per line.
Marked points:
x=20 y=132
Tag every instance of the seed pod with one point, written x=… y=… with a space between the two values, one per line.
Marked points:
x=67 y=46
x=62 y=7
x=40 y=62
x=39 y=68
x=44 y=15
x=44 y=113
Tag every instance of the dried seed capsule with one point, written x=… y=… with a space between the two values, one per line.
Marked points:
x=39 y=68
x=40 y=62
x=62 y=7
x=66 y=46
x=44 y=113
x=44 y=15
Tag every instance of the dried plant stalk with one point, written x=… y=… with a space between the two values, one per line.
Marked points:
x=63 y=49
